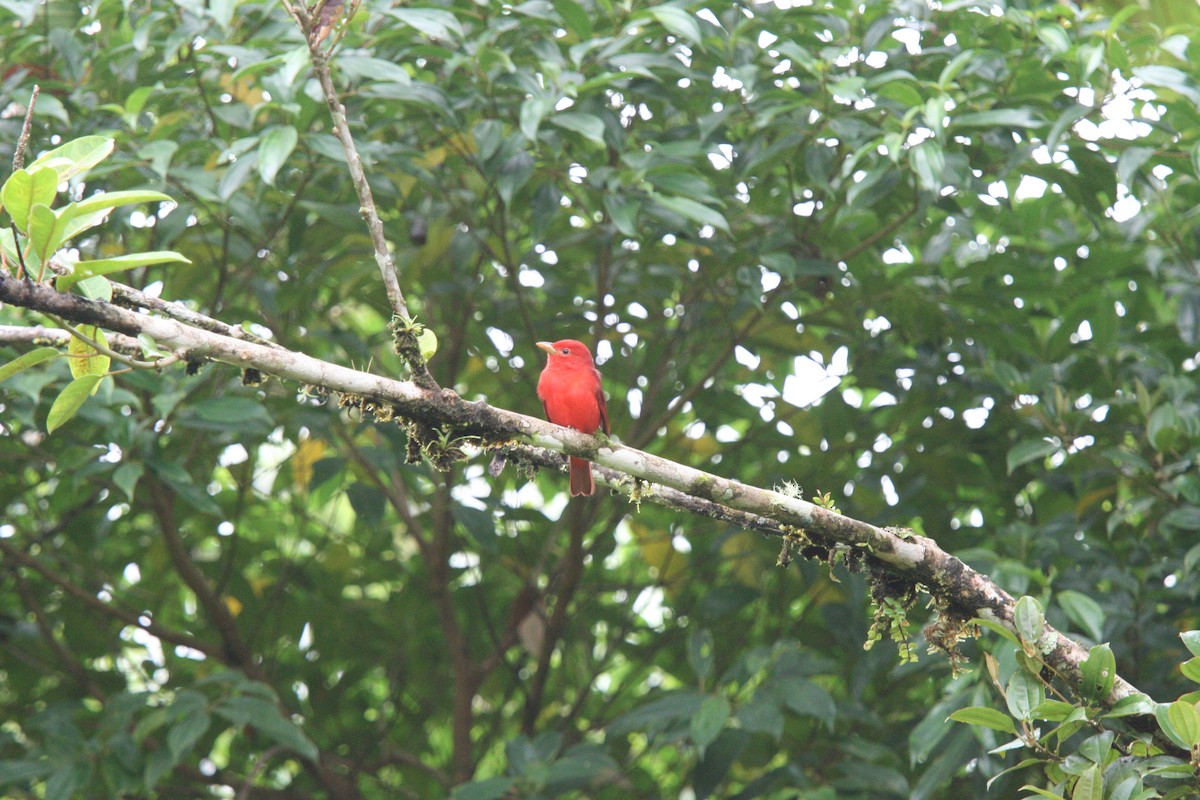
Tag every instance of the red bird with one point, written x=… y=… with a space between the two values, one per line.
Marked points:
x=570 y=392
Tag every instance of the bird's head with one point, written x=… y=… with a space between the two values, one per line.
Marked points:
x=566 y=352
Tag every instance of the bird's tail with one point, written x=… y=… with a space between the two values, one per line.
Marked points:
x=581 y=477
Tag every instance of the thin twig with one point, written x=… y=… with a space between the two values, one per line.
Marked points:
x=358 y=176
x=132 y=298
x=256 y=769
x=132 y=363
x=237 y=652
x=341 y=129
x=57 y=337
x=23 y=139
x=66 y=658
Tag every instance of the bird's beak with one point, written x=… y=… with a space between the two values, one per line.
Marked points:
x=548 y=347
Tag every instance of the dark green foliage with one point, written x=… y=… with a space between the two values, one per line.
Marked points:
x=971 y=220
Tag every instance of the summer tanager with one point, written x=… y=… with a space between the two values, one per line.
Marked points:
x=570 y=392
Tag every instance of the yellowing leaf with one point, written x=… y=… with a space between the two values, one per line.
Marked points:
x=658 y=551
x=309 y=452
x=233 y=604
x=433 y=157
x=243 y=90
x=85 y=359
x=744 y=551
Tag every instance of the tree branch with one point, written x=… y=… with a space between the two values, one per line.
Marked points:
x=960 y=591
x=237 y=652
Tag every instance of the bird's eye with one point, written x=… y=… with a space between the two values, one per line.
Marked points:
x=566 y=351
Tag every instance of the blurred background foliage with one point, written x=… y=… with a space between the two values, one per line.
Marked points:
x=938 y=260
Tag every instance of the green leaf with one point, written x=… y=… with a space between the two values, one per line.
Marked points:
x=1183 y=722
x=1191 y=639
x=273 y=151
x=75 y=156
x=954 y=67
x=997 y=118
x=489 y=789
x=159 y=154
x=69 y=401
x=678 y=22
x=589 y=126
x=27 y=360
x=47 y=231
x=809 y=698
x=1096 y=748
x=700 y=653
x=66 y=782
x=22 y=770
x=1185 y=518
x=432 y=22
x=371 y=68
x=623 y=211
x=25 y=189
x=658 y=713
x=427 y=342
x=85 y=359
x=1029 y=619
x=183 y=485
x=1083 y=611
x=1099 y=671
x=709 y=720
x=697 y=212
x=1130 y=705
x=1170 y=78
x=1164 y=428
x=264 y=716
x=229 y=413
x=1065 y=121
x=1041 y=792
x=929 y=162
x=126 y=477
x=987 y=717
x=996 y=628
x=1029 y=450
x=1023 y=694
x=187 y=731
x=1055 y=38
x=158 y=764
x=1089 y=785
x=107 y=266
x=577 y=20
x=1054 y=711
x=513 y=176
x=533 y=111
x=104 y=201
x=97 y=287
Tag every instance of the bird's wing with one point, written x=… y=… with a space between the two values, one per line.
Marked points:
x=603 y=407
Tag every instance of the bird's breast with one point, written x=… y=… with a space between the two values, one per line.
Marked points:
x=571 y=399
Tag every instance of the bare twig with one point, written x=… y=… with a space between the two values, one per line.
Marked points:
x=26 y=126
x=237 y=652
x=256 y=769
x=132 y=298
x=57 y=337
x=366 y=199
x=120 y=358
